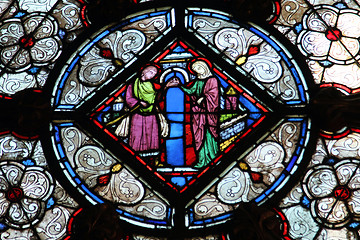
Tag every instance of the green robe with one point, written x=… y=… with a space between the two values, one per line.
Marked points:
x=145 y=91
x=204 y=124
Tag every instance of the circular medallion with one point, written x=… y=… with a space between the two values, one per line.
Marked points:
x=149 y=119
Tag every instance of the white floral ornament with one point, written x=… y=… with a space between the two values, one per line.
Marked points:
x=331 y=34
x=23 y=194
x=29 y=41
x=334 y=192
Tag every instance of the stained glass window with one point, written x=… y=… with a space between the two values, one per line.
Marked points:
x=176 y=117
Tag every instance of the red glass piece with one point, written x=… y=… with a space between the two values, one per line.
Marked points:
x=256 y=177
x=342 y=192
x=333 y=34
x=27 y=42
x=188 y=134
x=253 y=50
x=187 y=118
x=14 y=194
x=106 y=53
x=162 y=105
x=190 y=156
x=104 y=179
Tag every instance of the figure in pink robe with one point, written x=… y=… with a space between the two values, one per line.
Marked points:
x=205 y=103
x=144 y=125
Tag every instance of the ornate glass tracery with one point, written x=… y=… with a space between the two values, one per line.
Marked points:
x=97 y=97
x=90 y=93
x=33 y=203
x=326 y=34
x=329 y=42
x=33 y=34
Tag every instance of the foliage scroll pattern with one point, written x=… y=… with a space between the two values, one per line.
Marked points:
x=32 y=202
x=331 y=54
x=258 y=59
x=33 y=34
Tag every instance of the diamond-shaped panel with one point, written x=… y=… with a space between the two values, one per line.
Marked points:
x=190 y=126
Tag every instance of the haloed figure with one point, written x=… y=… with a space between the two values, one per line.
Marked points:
x=144 y=126
x=205 y=101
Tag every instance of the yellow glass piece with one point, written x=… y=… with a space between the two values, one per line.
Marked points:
x=116 y=168
x=230 y=91
x=118 y=62
x=243 y=166
x=241 y=60
x=225 y=144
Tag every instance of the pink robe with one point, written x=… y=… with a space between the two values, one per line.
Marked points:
x=210 y=104
x=144 y=127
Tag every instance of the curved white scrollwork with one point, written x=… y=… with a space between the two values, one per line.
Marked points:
x=301 y=222
x=25 y=191
x=266 y=154
x=236 y=187
x=292 y=11
x=16 y=214
x=36 y=184
x=11 y=234
x=320 y=183
x=287 y=133
x=43 y=43
x=95 y=69
x=234 y=42
x=69 y=13
x=285 y=88
x=331 y=210
x=210 y=206
x=11 y=83
x=92 y=157
x=153 y=25
x=348 y=146
x=31 y=209
x=10 y=176
x=341 y=45
x=123 y=188
x=152 y=207
x=54 y=222
x=204 y=25
x=131 y=42
x=73 y=138
x=267 y=158
x=11 y=146
x=208 y=27
x=11 y=32
x=75 y=92
x=91 y=162
x=36 y=5
x=333 y=192
x=265 y=66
